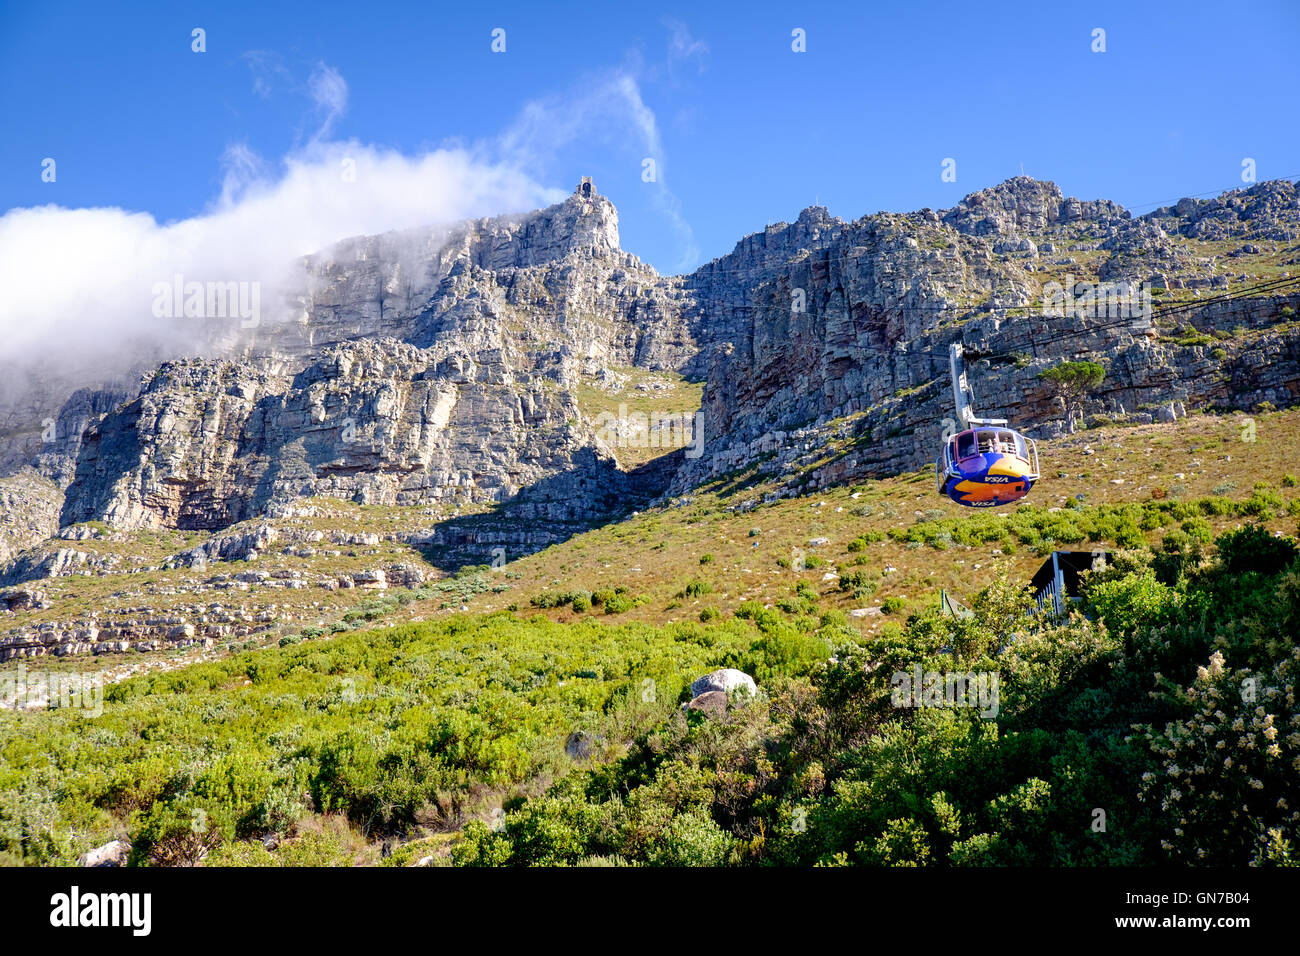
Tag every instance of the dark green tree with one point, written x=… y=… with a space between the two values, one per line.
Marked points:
x=1072 y=382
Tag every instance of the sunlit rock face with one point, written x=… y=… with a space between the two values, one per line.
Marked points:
x=449 y=364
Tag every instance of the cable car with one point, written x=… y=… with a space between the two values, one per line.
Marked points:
x=988 y=464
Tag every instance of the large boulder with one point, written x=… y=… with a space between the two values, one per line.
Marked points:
x=371 y=580
x=725 y=679
x=113 y=853
x=405 y=575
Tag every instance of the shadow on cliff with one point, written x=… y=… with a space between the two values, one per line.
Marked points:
x=591 y=494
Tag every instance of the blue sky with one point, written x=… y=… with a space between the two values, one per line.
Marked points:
x=744 y=130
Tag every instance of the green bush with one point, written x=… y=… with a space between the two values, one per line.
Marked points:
x=858 y=582
x=1132 y=601
x=691 y=839
x=695 y=588
x=618 y=603
x=1254 y=548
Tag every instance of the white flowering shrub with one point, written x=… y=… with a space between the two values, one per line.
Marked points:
x=1228 y=777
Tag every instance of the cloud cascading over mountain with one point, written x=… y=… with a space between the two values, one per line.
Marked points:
x=81 y=286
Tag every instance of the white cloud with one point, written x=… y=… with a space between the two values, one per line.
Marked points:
x=683 y=46
x=81 y=280
x=76 y=285
x=268 y=71
x=241 y=166
x=329 y=91
x=666 y=200
x=610 y=110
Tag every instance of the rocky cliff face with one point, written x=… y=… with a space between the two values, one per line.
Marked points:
x=825 y=333
x=470 y=364
x=420 y=367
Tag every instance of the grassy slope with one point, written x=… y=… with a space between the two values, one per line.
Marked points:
x=479 y=680
x=657 y=552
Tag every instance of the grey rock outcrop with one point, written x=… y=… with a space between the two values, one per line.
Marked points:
x=13 y=600
x=582 y=745
x=466 y=394
x=29 y=511
x=231 y=547
x=831 y=333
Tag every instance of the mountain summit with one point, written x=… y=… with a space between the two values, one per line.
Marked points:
x=481 y=364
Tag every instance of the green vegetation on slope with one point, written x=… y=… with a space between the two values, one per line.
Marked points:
x=1160 y=725
x=352 y=735
x=418 y=724
x=1163 y=727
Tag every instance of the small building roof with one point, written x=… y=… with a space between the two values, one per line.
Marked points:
x=1071 y=564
